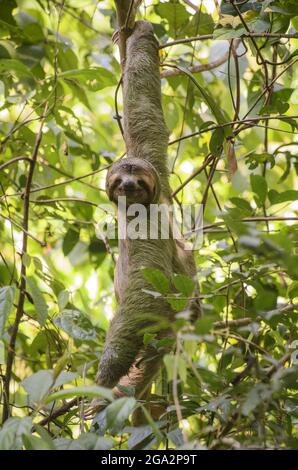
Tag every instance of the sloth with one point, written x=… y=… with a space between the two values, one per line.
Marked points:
x=135 y=179
x=143 y=178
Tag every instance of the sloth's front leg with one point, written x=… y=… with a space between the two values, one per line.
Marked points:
x=121 y=348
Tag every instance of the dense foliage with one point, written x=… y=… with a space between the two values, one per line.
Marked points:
x=231 y=381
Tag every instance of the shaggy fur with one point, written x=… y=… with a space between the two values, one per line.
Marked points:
x=124 y=359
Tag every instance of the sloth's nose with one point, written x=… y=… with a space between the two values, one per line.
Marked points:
x=129 y=185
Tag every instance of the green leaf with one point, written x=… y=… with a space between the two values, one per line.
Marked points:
x=38 y=385
x=76 y=324
x=176 y=437
x=64 y=377
x=293 y=290
x=227 y=33
x=184 y=284
x=201 y=23
x=2 y=353
x=260 y=188
x=204 y=325
x=32 y=442
x=216 y=141
x=177 y=304
x=176 y=15
x=40 y=305
x=70 y=240
x=257 y=395
x=63 y=298
x=212 y=105
x=11 y=435
x=242 y=204
x=157 y=279
x=148 y=337
x=182 y=369
x=276 y=198
x=47 y=441
x=168 y=360
x=93 y=79
x=14 y=67
x=92 y=391
x=7 y=295
x=118 y=412
x=86 y=441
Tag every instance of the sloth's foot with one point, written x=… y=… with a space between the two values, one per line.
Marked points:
x=95 y=407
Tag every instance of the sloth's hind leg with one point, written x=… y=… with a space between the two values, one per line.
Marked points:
x=141 y=376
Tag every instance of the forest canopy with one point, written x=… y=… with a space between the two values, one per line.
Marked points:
x=230 y=99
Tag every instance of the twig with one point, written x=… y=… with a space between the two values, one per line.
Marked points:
x=207 y=161
x=22 y=287
x=62 y=183
x=60 y=411
x=209 y=181
x=63 y=199
x=78 y=18
x=195 y=68
x=13 y=160
x=269 y=86
x=230 y=123
x=125 y=15
x=204 y=37
x=23 y=230
x=236 y=415
x=259 y=54
x=243 y=340
x=175 y=387
x=233 y=323
x=191 y=5
x=268 y=218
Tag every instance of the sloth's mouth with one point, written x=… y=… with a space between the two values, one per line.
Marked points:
x=132 y=191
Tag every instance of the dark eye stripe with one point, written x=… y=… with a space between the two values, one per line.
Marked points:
x=144 y=185
x=115 y=184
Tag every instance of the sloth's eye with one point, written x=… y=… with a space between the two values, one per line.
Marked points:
x=117 y=182
x=143 y=185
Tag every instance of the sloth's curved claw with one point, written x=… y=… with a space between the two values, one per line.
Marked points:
x=115 y=36
x=95 y=407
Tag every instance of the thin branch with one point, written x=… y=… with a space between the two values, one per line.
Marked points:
x=68 y=11
x=242 y=340
x=69 y=175
x=191 y=5
x=23 y=230
x=63 y=199
x=254 y=219
x=62 y=183
x=269 y=86
x=13 y=160
x=60 y=411
x=226 y=124
x=259 y=54
x=209 y=181
x=22 y=287
x=204 y=37
x=175 y=387
x=233 y=323
x=195 y=68
x=207 y=161
x=125 y=20
x=237 y=72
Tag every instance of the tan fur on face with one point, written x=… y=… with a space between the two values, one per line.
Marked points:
x=140 y=173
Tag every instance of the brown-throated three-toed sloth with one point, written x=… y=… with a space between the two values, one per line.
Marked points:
x=142 y=178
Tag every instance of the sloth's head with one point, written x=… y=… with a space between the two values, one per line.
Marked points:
x=134 y=178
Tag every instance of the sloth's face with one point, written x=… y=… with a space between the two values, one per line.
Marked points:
x=135 y=181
